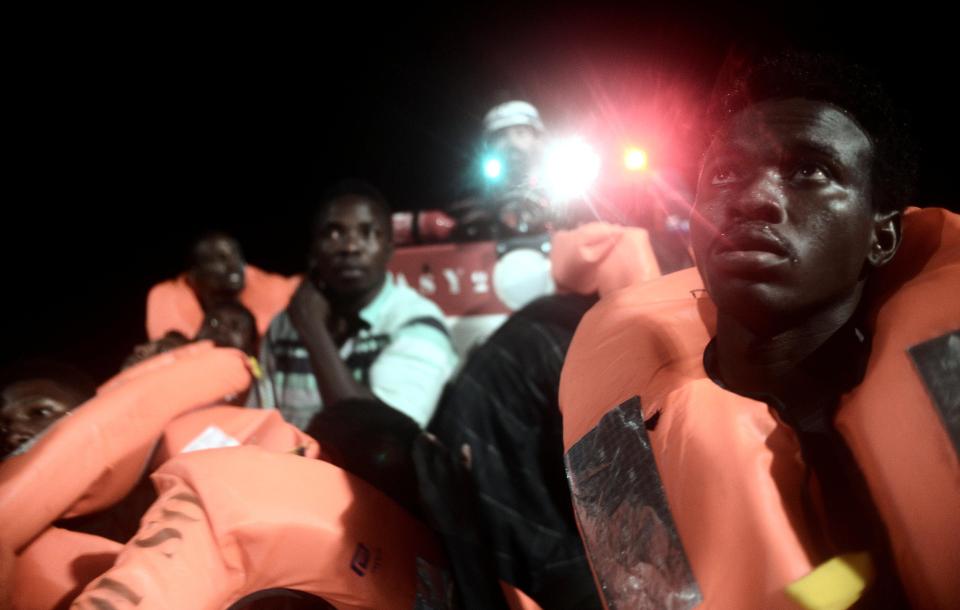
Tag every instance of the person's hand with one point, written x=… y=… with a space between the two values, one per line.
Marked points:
x=309 y=310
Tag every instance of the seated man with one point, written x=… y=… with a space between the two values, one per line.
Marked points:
x=350 y=333
x=777 y=435
x=508 y=516
x=513 y=137
x=34 y=398
x=227 y=324
x=217 y=273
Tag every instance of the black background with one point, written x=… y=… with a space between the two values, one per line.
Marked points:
x=132 y=132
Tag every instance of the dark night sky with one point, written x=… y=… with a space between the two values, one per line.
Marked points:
x=134 y=132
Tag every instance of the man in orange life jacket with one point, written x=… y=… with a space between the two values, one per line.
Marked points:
x=793 y=212
x=215 y=275
x=799 y=204
x=216 y=271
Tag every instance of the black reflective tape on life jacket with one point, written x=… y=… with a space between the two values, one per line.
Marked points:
x=626 y=525
x=938 y=362
x=434 y=587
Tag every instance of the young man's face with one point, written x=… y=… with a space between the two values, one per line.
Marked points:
x=218 y=267
x=29 y=407
x=783 y=221
x=351 y=248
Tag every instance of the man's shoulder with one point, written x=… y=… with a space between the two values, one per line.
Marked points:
x=259 y=279
x=175 y=286
x=404 y=304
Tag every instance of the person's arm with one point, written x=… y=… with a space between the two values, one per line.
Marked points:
x=310 y=313
x=372 y=437
x=410 y=373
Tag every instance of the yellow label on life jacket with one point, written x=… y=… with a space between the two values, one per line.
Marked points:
x=835 y=584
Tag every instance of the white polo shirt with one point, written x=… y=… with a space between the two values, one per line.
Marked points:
x=404 y=355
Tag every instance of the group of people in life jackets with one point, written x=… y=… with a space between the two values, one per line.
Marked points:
x=775 y=427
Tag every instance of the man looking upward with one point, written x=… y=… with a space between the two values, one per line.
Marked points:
x=794 y=411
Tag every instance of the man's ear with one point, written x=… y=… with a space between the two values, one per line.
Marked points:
x=886 y=238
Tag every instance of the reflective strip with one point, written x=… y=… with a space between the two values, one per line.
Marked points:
x=434 y=587
x=938 y=362
x=625 y=522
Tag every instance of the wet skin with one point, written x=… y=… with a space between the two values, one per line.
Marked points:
x=31 y=406
x=350 y=251
x=783 y=227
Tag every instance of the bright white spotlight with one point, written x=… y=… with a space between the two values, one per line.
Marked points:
x=570 y=167
x=492 y=168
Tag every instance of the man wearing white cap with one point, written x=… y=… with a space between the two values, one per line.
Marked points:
x=513 y=144
x=514 y=131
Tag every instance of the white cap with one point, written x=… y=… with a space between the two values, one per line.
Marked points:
x=512 y=113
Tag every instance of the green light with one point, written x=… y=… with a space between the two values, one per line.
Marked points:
x=492 y=168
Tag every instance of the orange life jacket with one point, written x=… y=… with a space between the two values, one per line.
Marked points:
x=56 y=566
x=173 y=306
x=731 y=471
x=235 y=521
x=599 y=258
x=94 y=457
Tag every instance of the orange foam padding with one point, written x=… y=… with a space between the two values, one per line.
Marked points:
x=601 y=258
x=93 y=458
x=231 y=522
x=731 y=470
x=264 y=428
x=57 y=565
